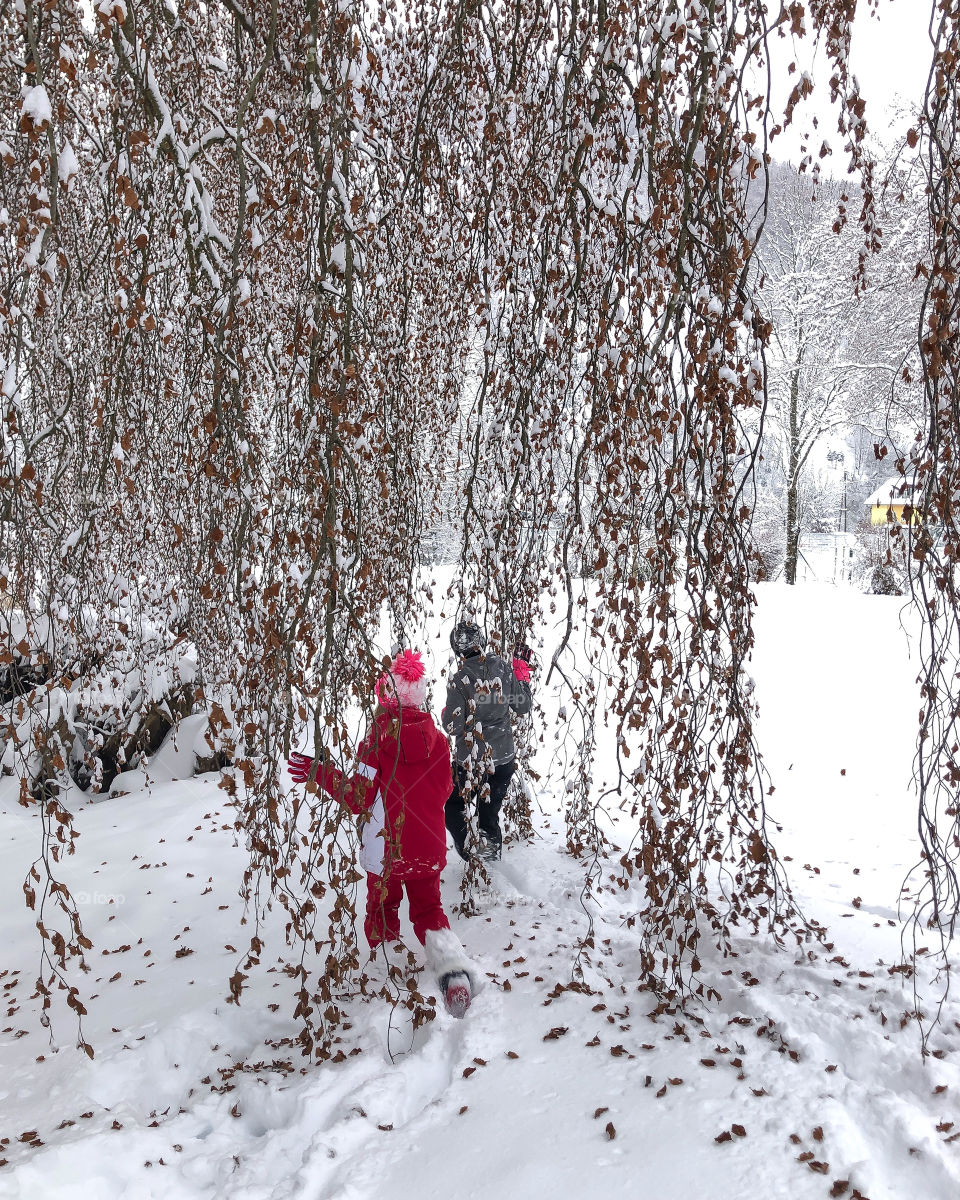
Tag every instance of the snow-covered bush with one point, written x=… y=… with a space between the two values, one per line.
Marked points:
x=886 y=580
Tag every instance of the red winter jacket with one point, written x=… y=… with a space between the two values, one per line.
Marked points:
x=403 y=782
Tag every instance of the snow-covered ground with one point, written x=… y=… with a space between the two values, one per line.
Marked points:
x=801 y=1083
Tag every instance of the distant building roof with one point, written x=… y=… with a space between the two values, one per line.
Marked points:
x=894 y=491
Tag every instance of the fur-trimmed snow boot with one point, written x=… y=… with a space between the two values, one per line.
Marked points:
x=455 y=973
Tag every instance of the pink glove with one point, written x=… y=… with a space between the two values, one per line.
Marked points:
x=300 y=767
x=522 y=662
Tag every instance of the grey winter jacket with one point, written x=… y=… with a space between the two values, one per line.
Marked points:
x=477 y=712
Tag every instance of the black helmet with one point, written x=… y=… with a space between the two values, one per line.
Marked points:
x=466 y=637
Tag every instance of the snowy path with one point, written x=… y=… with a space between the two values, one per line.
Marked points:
x=542 y=1090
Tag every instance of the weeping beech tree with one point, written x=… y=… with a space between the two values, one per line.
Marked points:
x=274 y=276
x=932 y=535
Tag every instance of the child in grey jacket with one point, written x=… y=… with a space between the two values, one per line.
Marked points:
x=480 y=697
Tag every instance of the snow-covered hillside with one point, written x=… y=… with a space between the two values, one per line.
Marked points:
x=803 y=1082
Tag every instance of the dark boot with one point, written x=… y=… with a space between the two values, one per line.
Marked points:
x=490 y=848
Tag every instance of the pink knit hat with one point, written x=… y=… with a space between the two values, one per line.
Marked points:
x=405 y=681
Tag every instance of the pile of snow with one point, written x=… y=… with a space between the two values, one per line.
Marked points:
x=36 y=106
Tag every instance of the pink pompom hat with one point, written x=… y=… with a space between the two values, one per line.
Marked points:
x=405 y=682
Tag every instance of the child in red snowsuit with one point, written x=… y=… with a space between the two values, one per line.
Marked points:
x=402 y=783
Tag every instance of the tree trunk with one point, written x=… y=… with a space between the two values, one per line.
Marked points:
x=793 y=481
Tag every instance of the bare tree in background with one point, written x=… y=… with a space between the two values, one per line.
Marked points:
x=843 y=352
x=808 y=291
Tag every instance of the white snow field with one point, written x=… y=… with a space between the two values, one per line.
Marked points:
x=805 y=1070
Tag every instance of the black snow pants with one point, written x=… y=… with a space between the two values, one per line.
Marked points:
x=488 y=804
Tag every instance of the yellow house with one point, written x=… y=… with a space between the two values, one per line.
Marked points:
x=890 y=497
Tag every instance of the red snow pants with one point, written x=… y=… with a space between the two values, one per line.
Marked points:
x=382 y=923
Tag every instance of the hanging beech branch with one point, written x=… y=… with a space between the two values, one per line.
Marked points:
x=288 y=289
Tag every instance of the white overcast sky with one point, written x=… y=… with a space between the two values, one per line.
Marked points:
x=890 y=55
